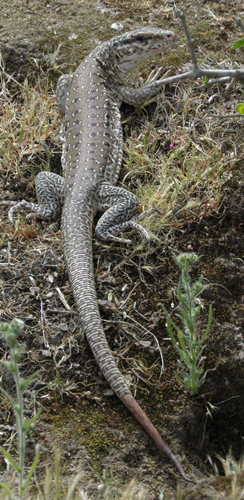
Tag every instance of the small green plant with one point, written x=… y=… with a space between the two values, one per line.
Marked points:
x=237 y=45
x=189 y=344
x=11 y=332
x=240 y=108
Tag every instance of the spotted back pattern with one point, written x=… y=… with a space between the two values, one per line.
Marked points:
x=92 y=152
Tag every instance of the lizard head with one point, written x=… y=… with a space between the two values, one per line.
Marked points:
x=134 y=47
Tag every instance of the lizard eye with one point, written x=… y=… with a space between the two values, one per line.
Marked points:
x=140 y=39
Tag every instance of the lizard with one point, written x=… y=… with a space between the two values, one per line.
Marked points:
x=90 y=100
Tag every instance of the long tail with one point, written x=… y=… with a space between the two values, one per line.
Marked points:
x=147 y=425
x=77 y=241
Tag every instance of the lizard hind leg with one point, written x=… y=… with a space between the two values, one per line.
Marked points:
x=119 y=205
x=50 y=197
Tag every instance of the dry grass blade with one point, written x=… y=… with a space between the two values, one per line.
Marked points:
x=29 y=122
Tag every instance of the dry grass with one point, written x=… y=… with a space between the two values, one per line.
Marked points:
x=28 y=128
x=55 y=485
x=181 y=157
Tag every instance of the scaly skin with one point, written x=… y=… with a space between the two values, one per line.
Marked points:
x=92 y=153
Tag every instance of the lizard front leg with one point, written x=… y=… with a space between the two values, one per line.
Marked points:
x=137 y=97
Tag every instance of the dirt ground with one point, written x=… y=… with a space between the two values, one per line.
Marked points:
x=93 y=431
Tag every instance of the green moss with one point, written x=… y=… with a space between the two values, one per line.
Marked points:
x=89 y=426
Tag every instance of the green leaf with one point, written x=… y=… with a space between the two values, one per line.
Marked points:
x=25 y=382
x=188 y=357
x=10 y=459
x=238 y=44
x=5 y=487
x=210 y=314
x=188 y=321
x=31 y=421
x=32 y=469
x=240 y=108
